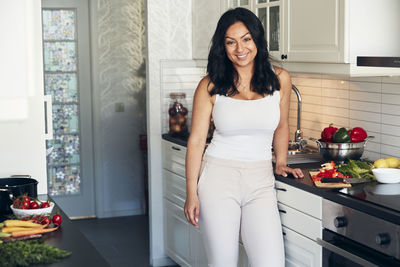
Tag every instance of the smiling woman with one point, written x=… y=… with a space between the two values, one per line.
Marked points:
x=233 y=181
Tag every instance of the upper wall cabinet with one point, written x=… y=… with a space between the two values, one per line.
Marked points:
x=21 y=73
x=321 y=36
x=313 y=31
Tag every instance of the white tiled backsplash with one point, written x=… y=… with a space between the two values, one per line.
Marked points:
x=369 y=102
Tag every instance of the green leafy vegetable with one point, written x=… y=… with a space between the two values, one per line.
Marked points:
x=26 y=253
x=356 y=169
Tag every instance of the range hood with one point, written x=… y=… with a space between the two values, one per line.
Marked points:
x=391 y=62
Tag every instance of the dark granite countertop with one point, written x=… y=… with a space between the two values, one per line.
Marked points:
x=334 y=195
x=68 y=237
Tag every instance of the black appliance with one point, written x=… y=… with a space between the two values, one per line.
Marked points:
x=393 y=62
x=367 y=234
x=13 y=187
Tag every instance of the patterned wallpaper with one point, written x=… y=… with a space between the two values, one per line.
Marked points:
x=121 y=72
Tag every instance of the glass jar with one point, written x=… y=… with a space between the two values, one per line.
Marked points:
x=177 y=114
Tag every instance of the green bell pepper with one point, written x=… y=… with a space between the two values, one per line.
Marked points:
x=341 y=136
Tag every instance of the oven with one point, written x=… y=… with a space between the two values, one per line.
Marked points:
x=353 y=238
x=338 y=250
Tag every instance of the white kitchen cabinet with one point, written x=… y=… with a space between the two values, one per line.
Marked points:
x=22 y=112
x=182 y=241
x=314 y=31
x=176 y=234
x=315 y=36
x=301 y=214
x=300 y=251
x=298 y=199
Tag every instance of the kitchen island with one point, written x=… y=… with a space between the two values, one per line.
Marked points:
x=68 y=237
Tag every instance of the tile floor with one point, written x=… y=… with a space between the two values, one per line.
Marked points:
x=123 y=241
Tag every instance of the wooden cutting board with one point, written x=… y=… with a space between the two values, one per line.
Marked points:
x=328 y=185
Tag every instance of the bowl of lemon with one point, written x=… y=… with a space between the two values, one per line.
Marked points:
x=387 y=170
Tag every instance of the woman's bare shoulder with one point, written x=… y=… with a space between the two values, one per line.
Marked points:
x=281 y=73
x=283 y=77
x=205 y=84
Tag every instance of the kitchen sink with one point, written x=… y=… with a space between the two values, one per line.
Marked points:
x=306 y=155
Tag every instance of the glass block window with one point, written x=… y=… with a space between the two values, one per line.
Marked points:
x=61 y=81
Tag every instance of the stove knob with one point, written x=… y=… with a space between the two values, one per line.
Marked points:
x=382 y=239
x=340 y=222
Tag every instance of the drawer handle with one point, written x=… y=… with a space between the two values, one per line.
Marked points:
x=280 y=189
x=283 y=211
x=176 y=148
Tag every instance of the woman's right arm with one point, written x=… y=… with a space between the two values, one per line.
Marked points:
x=201 y=114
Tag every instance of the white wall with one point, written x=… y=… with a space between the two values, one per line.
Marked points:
x=22 y=144
x=168 y=29
x=118 y=64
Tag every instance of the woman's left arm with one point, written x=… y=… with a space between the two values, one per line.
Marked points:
x=281 y=135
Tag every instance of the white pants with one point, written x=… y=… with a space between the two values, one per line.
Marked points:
x=239 y=197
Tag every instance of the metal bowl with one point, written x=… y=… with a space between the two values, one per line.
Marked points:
x=341 y=151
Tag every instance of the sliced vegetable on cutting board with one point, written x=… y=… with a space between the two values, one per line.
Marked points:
x=318 y=183
x=352 y=170
x=328 y=170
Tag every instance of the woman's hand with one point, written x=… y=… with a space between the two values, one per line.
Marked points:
x=192 y=209
x=285 y=170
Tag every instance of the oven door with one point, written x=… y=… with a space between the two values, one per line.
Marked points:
x=341 y=251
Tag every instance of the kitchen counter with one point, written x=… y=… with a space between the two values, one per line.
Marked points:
x=68 y=237
x=334 y=195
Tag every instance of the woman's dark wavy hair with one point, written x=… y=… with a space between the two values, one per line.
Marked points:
x=220 y=69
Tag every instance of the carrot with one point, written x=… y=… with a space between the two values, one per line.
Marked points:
x=14 y=229
x=19 y=223
x=33 y=231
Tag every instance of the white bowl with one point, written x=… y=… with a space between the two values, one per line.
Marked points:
x=387 y=175
x=20 y=213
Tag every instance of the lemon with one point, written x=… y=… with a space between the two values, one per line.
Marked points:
x=393 y=162
x=381 y=163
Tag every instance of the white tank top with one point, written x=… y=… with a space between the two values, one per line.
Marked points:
x=244 y=129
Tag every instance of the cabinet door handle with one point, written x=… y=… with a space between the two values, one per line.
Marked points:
x=176 y=148
x=283 y=233
x=282 y=211
x=280 y=189
x=48 y=117
x=283 y=56
x=344 y=253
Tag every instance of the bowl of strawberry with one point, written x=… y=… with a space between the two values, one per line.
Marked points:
x=341 y=144
x=24 y=206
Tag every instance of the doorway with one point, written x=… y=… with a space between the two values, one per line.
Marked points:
x=66 y=65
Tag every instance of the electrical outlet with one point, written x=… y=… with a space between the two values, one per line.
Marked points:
x=119 y=107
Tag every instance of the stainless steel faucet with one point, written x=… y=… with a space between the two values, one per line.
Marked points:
x=298 y=141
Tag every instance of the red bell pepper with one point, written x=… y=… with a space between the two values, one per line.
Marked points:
x=357 y=135
x=327 y=133
x=328 y=171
